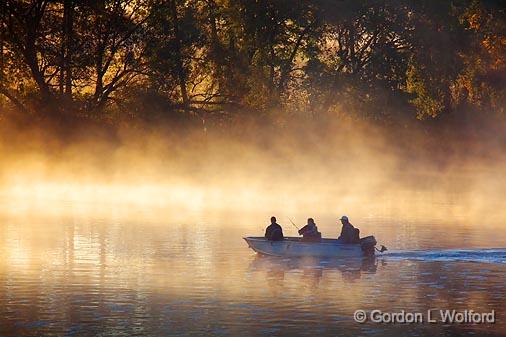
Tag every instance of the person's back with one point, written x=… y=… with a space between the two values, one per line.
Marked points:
x=274 y=232
x=349 y=234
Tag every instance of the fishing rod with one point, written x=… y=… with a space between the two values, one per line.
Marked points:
x=294 y=225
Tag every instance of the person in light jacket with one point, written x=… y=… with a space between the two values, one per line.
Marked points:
x=310 y=232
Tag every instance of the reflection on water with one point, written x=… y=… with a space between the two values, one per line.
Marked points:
x=158 y=273
x=313 y=268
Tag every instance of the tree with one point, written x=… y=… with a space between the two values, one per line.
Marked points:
x=217 y=59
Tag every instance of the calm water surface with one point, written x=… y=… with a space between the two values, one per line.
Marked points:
x=112 y=270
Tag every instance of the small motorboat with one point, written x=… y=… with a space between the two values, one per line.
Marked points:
x=296 y=247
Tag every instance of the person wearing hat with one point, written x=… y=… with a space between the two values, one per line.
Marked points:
x=349 y=234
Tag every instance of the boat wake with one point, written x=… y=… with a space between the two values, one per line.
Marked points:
x=489 y=255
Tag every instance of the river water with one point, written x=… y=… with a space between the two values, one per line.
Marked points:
x=117 y=270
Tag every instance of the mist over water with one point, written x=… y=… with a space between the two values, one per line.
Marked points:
x=316 y=166
x=142 y=234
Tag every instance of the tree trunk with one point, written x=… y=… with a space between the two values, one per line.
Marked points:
x=30 y=55
x=287 y=66
x=68 y=21
x=215 y=44
x=30 y=51
x=179 y=56
x=99 y=54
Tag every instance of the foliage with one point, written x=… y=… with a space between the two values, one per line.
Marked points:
x=217 y=60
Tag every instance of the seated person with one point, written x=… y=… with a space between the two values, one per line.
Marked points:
x=274 y=232
x=310 y=232
x=349 y=234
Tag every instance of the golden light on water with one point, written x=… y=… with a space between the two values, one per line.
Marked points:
x=437 y=204
x=153 y=232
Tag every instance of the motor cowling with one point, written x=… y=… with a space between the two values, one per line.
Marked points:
x=367 y=244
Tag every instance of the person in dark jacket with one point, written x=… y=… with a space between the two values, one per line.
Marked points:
x=310 y=232
x=274 y=232
x=349 y=234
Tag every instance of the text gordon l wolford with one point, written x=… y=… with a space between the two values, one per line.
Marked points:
x=445 y=316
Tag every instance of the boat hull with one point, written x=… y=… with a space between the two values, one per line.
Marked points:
x=294 y=247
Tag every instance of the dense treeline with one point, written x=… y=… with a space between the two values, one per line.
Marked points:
x=215 y=60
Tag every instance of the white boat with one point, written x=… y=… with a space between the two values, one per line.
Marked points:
x=295 y=247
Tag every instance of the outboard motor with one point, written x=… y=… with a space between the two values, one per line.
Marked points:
x=368 y=244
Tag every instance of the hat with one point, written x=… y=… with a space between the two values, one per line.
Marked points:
x=344 y=217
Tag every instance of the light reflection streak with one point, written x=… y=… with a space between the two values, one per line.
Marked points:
x=432 y=206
